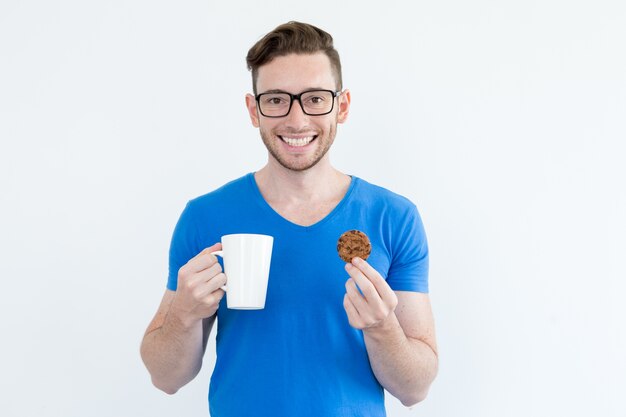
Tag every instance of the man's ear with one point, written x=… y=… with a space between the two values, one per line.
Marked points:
x=252 y=110
x=343 y=101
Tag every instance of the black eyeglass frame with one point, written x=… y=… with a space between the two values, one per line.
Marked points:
x=294 y=97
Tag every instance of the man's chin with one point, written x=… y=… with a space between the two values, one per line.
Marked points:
x=297 y=167
x=294 y=164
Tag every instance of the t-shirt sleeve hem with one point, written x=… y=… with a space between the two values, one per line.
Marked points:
x=412 y=287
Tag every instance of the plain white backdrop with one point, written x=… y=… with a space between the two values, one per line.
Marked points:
x=503 y=121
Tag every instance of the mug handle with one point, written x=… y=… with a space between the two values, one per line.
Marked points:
x=219 y=253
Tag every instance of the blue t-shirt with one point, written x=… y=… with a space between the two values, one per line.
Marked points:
x=299 y=356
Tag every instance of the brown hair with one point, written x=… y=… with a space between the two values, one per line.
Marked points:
x=293 y=38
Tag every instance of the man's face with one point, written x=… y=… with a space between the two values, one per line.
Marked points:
x=298 y=141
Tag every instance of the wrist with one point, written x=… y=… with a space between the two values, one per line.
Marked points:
x=181 y=318
x=385 y=328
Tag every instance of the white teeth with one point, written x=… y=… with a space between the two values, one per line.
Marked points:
x=298 y=141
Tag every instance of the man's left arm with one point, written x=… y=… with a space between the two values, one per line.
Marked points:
x=398 y=329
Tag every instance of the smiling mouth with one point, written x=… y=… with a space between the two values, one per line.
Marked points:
x=298 y=142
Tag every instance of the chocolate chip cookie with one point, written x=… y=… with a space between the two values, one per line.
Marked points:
x=353 y=243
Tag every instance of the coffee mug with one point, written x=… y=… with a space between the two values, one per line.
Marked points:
x=247 y=260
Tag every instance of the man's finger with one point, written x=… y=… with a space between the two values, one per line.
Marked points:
x=212 y=285
x=359 y=302
x=353 y=315
x=206 y=275
x=383 y=289
x=204 y=259
x=217 y=282
x=364 y=284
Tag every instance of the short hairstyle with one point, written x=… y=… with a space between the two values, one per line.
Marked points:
x=293 y=38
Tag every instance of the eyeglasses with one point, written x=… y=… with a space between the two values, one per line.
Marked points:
x=312 y=102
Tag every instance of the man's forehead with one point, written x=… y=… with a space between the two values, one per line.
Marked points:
x=296 y=72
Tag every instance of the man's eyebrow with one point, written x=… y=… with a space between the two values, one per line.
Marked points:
x=278 y=90
x=274 y=91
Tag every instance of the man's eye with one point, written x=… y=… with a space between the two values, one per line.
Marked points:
x=315 y=100
x=275 y=100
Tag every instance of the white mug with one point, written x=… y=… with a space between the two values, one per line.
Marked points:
x=247 y=260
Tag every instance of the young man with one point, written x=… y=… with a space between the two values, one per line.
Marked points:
x=323 y=346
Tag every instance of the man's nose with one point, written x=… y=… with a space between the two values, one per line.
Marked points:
x=296 y=115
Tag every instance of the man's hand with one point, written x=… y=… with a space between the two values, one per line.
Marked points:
x=377 y=302
x=198 y=294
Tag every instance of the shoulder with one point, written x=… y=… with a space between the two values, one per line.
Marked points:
x=230 y=192
x=379 y=197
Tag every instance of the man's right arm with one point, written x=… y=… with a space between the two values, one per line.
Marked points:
x=175 y=341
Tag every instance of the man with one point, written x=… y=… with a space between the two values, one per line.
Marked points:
x=323 y=346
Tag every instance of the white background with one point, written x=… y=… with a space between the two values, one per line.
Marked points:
x=503 y=121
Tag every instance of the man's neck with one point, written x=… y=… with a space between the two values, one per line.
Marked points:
x=320 y=183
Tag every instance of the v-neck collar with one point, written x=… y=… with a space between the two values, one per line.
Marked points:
x=265 y=205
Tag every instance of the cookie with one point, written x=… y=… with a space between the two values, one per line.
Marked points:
x=353 y=243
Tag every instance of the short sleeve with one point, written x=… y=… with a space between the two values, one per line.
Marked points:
x=409 y=258
x=184 y=245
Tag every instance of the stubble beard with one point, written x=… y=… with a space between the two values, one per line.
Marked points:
x=299 y=164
